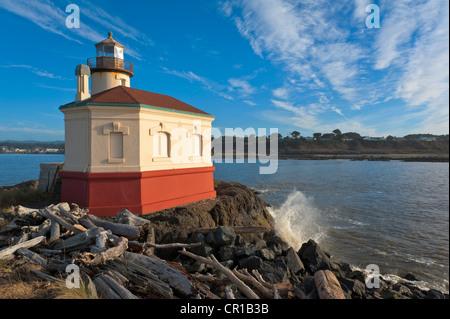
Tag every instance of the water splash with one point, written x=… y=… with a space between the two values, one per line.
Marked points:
x=297 y=220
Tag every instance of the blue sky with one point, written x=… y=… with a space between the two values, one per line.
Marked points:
x=305 y=65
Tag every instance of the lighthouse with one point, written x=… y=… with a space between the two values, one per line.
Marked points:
x=130 y=148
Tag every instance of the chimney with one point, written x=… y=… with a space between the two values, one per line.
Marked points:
x=83 y=72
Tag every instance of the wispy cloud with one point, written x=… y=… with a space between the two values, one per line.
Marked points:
x=242 y=86
x=206 y=83
x=36 y=71
x=52 y=17
x=321 y=49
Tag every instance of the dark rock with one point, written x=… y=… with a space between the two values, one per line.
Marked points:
x=244 y=252
x=274 y=272
x=418 y=294
x=356 y=287
x=223 y=235
x=239 y=241
x=434 y=294
x=250 y=263
x=307 y=284
x=358 y=275
x=294 y=262
x=260 y=244
x=266 y=254
x=389 y=294
x=313 y=294
x=235 y=205
x=410 y=277
x=403 y=290
x=205 y=249
x=277 y=245
x=314 y=258
x=227 y=253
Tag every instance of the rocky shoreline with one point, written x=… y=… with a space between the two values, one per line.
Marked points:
x=203 y=246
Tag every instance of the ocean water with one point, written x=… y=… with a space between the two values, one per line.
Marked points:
x=391 y=214
x=16 y=168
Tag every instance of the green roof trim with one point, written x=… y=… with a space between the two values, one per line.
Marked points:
x=145 y=106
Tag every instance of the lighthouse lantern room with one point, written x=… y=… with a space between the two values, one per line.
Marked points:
x=109 y=68
x=130 y=148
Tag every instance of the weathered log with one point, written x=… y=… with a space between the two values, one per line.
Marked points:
x=120 y=290
x=285 y=289
x=173 y=245
x=141 y=277
x=128 y=231
x=84 y=221
x=24 y=211
x=64 y=210
x=103 y=288
x=50 y=215
x=212 y=261
x=90 y=259
x=100 y=241
x=246 y=277
x=327 y=285
x=55 y=232
x=32 y=256
x=175 y=278
x=45 y=276
x=128 y=218
x=77 y=242
x=229 y=292
x=8 y=252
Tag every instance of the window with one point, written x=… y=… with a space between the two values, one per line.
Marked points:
x=123 y=82
x=116 y=145
x=196 y=145
x=161 y=145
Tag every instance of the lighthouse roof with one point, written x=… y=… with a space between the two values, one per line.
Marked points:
x=126 y=96
x=109 y=41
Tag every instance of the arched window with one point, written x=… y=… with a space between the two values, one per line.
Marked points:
x=161 y=144
x=196 y=145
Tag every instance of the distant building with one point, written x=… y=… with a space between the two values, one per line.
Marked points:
x=427 y=138
x=370 y=138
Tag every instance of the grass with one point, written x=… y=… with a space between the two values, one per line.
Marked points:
x=18 y=282
x=25 y=194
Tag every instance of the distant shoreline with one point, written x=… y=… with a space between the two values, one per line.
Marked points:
x=443 y=158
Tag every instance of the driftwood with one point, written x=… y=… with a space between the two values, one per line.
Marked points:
x=77 y=242
x=229 y=292
x=9 y=251
x=128 y=231
x=128 y=218
x=51 y=215
x=109 y=288
x=327 y=285
x=212 y=261
x=32 y=256
x=266 y=293
x=175 y=278
x=55 y=232
x=90 y=259
x=143 y=279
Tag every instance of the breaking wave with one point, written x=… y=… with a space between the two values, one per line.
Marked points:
x=297 y=220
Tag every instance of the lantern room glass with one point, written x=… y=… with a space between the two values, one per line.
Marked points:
x=110 y=51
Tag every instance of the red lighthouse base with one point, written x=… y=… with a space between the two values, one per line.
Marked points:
x=106 y=194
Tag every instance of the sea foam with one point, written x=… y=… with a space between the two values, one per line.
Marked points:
x=297 y=220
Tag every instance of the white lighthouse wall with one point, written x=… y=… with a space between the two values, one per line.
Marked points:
x=102 y=81
x=94 y=135
x=77 y=136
